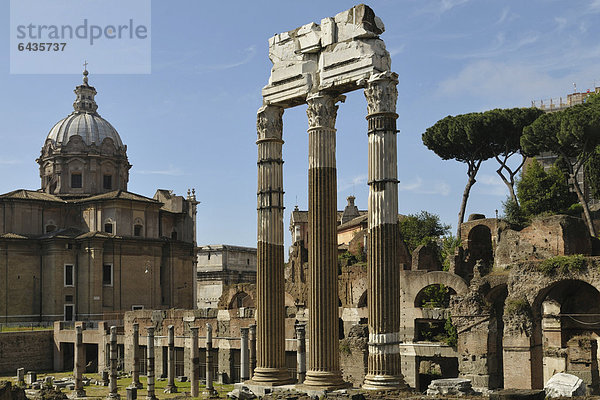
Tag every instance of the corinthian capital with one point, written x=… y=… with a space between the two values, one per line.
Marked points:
x=322 y=110
x=381 y=93
x=269 y=122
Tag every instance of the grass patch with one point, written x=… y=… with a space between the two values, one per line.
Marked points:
x=516 y=306
x=95 y=391
x=562 y=264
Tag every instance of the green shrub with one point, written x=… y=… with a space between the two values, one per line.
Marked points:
x=452 y=334
x=562 y=264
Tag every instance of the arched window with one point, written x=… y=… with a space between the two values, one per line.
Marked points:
x=241 y=299
x=138 y=227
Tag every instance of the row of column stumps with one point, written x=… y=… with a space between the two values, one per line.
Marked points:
x=383 y=270
x=248 y=360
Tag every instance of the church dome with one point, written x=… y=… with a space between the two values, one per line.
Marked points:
x=84 y=121
x=83 y=155
x=91 y=127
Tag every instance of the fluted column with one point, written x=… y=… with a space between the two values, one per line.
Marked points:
x=270 y=368
x=323 y=362
x=383 y=272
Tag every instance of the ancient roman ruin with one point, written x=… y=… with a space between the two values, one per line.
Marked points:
x=507 y=318
x=315 y=65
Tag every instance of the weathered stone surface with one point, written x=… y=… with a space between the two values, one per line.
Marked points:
x=518 y=394
x=545 y=237
x=565 y=385
x=338 y=54
x=450 y=386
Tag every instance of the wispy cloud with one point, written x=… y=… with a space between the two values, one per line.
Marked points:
x=397 y=50
x=170 y=171
x=491 y=185
x=594 y=6
x=248 y=54
x=440 y=7
x=358 y=180
x=498 y=80
x=420 y=187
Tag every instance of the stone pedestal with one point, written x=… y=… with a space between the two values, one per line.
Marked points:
x=252 y=348
x=383 y=270
x=171 y=388
x=300 y=352
x=210 y=389
x=323 y=363
x=150 y=367
x=135 y=371
x=21 y=376
x=79 y=363
x=270 y=369
x=195 y=362
x=112 y=383
x=244 y=362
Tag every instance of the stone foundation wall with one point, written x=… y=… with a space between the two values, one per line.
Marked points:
x=30 y=350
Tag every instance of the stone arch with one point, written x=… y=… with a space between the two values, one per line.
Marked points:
x=420 y=297
x=241 y=299
x=560 y=325
x=418 y=283
x=362 y=300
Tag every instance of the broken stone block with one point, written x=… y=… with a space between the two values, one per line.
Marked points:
x=565 y=385
x=31 y=377
x=450 y=387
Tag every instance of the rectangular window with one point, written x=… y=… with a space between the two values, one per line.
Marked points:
x=69 y=312
x=69 y=275
x=76 y=181
x=137 y=230
x=107 y=275
x=108 y=228
x=137 y=307
x=108 y=182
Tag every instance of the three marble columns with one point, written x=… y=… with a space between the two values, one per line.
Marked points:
x=383 y=269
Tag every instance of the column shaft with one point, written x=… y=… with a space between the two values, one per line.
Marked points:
x=195 y=362
x=270 y=368
x=135 y=373
x=79 y=362
x=150 y=369
x=382 y=265
x=113 y=394
x=171 y=388
x=323 y=365
x=244 y=362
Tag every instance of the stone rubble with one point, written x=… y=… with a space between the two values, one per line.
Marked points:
x=450 y=387
x=565 y=385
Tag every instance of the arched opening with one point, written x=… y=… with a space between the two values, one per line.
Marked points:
x=241 y=299
x=434 y=324
x=567 y=321
x=362 y=301
x=480 y=244
x=496 y=298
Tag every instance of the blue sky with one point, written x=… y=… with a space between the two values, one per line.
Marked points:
x=191 y=122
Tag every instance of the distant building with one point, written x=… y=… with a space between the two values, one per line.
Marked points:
x=219 y=266
x=83 y=247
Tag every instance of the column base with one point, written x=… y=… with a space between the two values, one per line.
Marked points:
x=211 y=394
x=137 y=385
x=383 y=382
x=271 y=377
x=171 y=389
x=323 y=380
x=78 y=394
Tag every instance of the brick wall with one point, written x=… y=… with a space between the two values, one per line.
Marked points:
x=30 y=350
